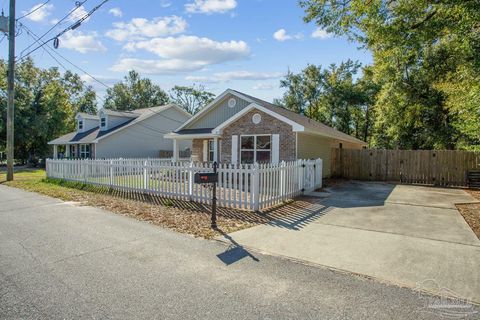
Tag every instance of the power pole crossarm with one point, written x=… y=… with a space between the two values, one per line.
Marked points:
x=10 y=88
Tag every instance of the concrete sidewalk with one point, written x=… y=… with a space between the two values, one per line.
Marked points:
x=62 y=261
x=407 y=235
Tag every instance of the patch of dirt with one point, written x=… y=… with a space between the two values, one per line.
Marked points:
x=471 y=212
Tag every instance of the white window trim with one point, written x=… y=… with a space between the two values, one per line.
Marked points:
x=211 y=151
x=255 y=146
x=81 y=125
x=83 y=154
x=104 y=119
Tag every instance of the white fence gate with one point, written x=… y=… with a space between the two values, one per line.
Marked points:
x=245 y=186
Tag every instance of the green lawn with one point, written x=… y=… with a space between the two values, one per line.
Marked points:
x=183 y=216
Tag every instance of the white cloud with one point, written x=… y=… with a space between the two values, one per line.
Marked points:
x=140 y=27
x=82 y=42
x=157 y=66
x=281 y=35
x=116 y=12
x=41 y=12
x=181 y=54
x=263 y=86
x=79 y=13
x=165 y=3
x=193 y=48
x=210 y=6
x=97 y=86
x=320 y=34
x=234 y=75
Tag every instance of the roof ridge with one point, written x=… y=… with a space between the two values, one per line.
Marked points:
x=261 y=101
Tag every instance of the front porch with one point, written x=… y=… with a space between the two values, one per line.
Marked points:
x=74 y=151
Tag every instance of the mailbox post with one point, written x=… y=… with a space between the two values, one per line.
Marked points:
x=210 y=178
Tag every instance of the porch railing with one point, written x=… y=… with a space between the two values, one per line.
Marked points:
x=245 y=186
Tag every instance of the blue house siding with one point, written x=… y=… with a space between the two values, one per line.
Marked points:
x=219 y=114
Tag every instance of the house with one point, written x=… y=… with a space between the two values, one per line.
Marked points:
x=238 y=128
x=114 y=134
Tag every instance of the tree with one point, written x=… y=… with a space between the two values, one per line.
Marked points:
x=82 y=97
x=45 y=105
x=427 y=60
x=133 y=93
x=331 y=96
x=190 y=98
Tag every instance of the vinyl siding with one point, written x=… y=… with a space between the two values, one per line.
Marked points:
x=138 y=141
x=113 y=121
x=219 y=114
x=314 y=147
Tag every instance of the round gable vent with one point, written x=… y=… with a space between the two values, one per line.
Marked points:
x=232 y=102
x=256 y=118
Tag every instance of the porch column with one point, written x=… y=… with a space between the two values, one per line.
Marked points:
x=67 y=150
x=215 y=149
x=55 y=151
x=175 y=150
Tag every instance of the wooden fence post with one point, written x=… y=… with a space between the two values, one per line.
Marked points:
x=111 y=173
x=301 y=175
x=190 y=181
x=256 y=187
x=84 y=168
x=318 y=173
x=145 y=175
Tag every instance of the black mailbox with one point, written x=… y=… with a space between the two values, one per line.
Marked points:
x=206 y=177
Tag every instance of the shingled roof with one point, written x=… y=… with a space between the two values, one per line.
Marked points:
x=309 y=124
x=94 y=134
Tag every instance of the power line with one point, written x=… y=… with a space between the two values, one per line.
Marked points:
x=37 y=8
x=29 y=31
x=49 y=52
x=71 y=27
x=79 y=4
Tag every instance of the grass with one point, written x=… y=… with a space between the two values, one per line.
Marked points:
x=182 y=216
x=471 y=212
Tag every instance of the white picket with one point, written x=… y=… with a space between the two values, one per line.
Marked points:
x=241 y=186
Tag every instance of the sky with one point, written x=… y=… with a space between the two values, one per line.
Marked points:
x=246 y=45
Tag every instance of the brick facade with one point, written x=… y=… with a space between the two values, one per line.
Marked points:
x=197 y=150
x=268 y=125
x=245 y=126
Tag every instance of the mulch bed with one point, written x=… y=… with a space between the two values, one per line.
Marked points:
x=471 y=212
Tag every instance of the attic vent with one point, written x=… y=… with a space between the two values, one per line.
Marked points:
x=232 y=102
x=256 y=118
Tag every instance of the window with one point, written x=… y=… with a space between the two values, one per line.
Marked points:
x=103 y=122
x=80 y=124
x=84 y=151
x=73 y=151
x=211 y=153
x=255 y=148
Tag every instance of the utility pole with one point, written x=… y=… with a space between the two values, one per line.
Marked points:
x=11 y=81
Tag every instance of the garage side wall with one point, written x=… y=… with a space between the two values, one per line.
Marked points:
x=313 y=146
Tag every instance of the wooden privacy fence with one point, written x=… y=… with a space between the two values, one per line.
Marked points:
x=246 y=186
x=429 y=167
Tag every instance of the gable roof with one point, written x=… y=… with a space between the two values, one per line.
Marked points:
x=86 y=116
x=309 y=125
x=127 y=114
x=95 y=134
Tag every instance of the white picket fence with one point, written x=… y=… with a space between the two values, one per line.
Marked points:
x=246 y=186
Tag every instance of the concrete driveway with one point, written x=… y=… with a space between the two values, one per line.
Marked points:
x=408 y=235
x=63 y=261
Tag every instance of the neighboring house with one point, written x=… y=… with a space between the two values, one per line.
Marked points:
x=238 y=128
x=113 y=134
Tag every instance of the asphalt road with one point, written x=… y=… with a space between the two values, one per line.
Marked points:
x=63 y=261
